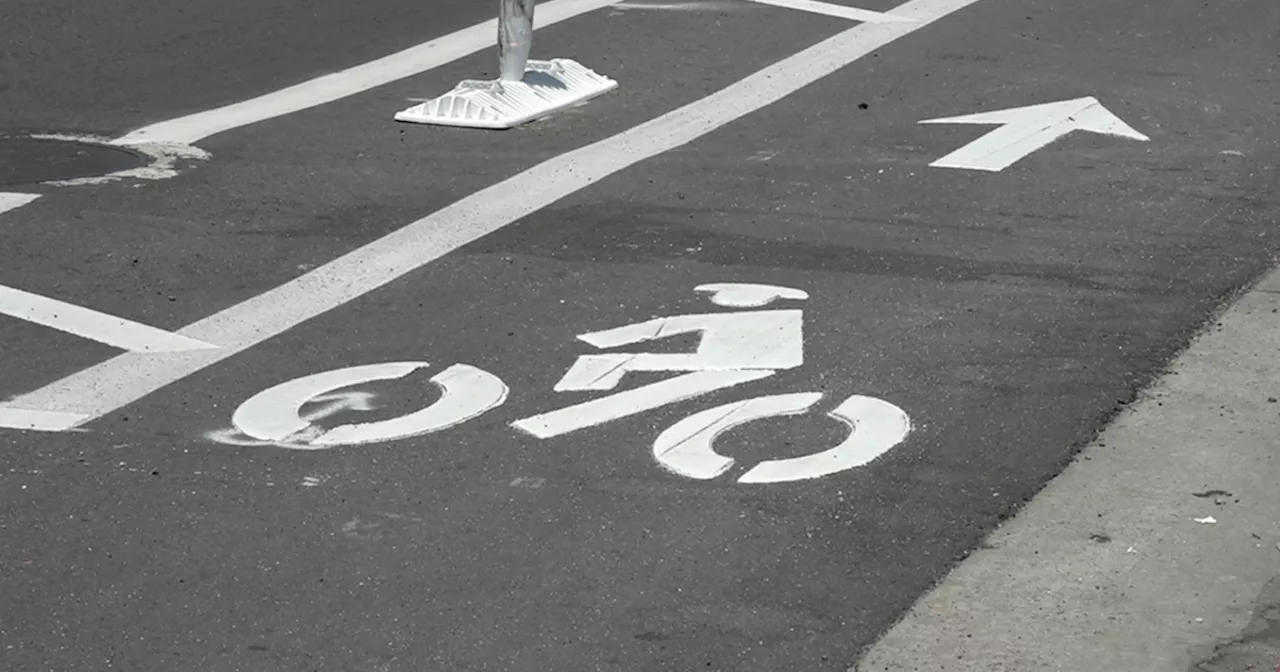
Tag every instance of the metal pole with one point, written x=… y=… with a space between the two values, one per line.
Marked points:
x=515 y=37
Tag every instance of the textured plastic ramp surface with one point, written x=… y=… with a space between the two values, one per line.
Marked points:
x=547 y=86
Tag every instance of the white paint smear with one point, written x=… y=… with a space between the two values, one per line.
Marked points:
x=275 y=414
x=92 y=324
x=1025 y=130
x=323 y=406
x=163 y=159
x=338 y=402
x=466 y=393
x=13 y=201
x=117 y=382
x=414 y=60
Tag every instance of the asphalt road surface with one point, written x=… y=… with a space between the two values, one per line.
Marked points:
x=1002 y=310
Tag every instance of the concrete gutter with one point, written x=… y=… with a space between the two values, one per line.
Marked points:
x=1108 y=568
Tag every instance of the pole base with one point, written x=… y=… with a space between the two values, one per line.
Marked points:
x=548 y=86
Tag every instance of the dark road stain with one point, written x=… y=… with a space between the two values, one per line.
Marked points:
x=1258 y=647
x=29 y=161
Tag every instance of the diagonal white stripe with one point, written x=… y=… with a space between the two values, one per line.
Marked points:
x=92 y=324
x=840 y=11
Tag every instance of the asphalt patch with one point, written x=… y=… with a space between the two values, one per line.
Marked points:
x=27 y=160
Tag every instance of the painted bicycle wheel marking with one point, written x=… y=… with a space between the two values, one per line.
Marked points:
x=734 y=348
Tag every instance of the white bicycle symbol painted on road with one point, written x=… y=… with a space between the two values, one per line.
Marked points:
x=735 y=347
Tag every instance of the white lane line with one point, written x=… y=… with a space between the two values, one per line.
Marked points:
x=839 y=11
x=681 y=6
x=40 y=421
x=12 y=201
x=92 y=324
x=103 y=388
x=414 y=60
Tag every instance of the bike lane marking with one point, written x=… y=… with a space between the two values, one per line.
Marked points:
x=733 y=348
x=115 y=383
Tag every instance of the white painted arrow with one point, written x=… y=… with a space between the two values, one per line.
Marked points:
x=1026 y=129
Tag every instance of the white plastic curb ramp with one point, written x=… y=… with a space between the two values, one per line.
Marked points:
x=547 y=87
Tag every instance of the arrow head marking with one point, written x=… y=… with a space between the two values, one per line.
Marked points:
x=1020 y=115
x=1098 y=119
x=1024 y=130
